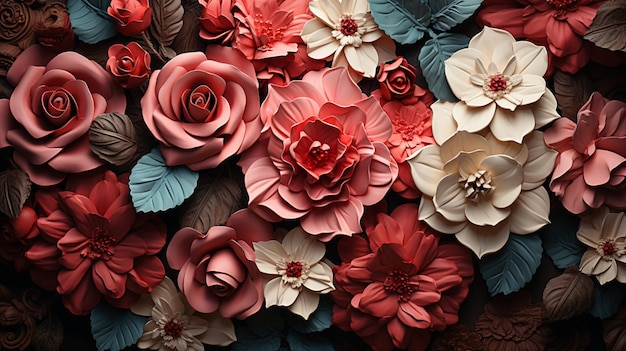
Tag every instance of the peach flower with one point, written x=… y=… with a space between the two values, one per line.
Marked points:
x=322 y=157
x=203 y=108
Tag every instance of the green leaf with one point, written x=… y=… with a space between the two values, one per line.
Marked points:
x=115 y=329
x=432 y=57
x=155 y=186
x=404 y=21
x=509 y=269
x=448 y=13
x=90 y=20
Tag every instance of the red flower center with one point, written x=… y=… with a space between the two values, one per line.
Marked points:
x=173 y=329
x=497 y=83
x=349 y=26
x=318 y=154
x=608 y=248
x=99 y=245
x=561 y=4
x=294 y=269
x=407 y=130
x=398 y=282
x=266 y=31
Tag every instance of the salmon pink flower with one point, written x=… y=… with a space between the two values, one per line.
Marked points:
x=217 y=21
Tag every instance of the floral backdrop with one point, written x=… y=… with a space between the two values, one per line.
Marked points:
x=313 y=175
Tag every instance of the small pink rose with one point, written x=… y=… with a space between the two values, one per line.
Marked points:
x=131 y=16
x=129 y=64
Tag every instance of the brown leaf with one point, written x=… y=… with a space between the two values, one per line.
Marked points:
x=568 y=295
x=112 y=137
x=48 y=335
x=615 y=332
x=188 y=39
x=14 y=191
x=608 y=29
x=213 y=201
x=167 y=20
x=571 y=91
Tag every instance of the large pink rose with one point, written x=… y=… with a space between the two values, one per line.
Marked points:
x=323 y=155
x=50 y=111
x=590 y=169
x=203 y=108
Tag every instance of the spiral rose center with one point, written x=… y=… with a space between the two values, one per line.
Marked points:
x=127 y=64
x=173 y=329
x=349 y=26
x=58 y=106
x=398 y=282
x=477 y=185
x=99 y=246
x=201 y=104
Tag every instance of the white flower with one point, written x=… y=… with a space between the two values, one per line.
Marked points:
x=501 y=86
x=174 y=325
x=345 y=30
x=295 y=275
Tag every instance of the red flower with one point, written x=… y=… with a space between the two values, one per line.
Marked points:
x=405 y=287
x=217 y=22
x=129 y=64
x=397 y=82
x=16 y=235
x=131 y=16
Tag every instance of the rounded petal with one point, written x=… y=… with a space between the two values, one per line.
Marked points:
x=530 y=211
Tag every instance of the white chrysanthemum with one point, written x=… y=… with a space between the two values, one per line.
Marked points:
x=295 y=274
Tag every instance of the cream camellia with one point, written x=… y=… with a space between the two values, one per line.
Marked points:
x=295 y=274
x=500 y=84
x=481 y=188
x=604 y=233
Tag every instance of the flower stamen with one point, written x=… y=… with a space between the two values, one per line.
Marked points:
x=477 y=185
x=99 y=246
x=398 y=282
x=496 y=85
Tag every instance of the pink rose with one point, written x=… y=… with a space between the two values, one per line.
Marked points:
x=590 y=170
x=203 y=108
x=397 y=82
x=50 y=111
x=323 y=155
x=129 y=64
x=131 y=16
x=217 y=22
x=217 y=269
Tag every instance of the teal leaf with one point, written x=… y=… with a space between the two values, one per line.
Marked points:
x=115 y=329
x=509 y=269
x=432 y=57
x=560 y=241
x=308 y=342
x=155 y=186
x=607 y=300
x=320 y=319
x=448 y=13
x=250 y=338
x=404 y=21
x=90 y=20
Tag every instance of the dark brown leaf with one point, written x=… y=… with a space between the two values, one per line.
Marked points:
x=48 y=335
x=568 y=295
x=571 y=91
x=167 y=20
x=213 y=201
x=14 y=191
x=112 y=137
x=188 y=39
x=608 y=29
x=615 y=332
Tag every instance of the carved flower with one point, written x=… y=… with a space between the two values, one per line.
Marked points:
x=499 y=82
x=15 y=22
x=131 y=16
x=590 y=168
x=129 y=64
x=397 y=83
x=54 y=29
x=217 y=22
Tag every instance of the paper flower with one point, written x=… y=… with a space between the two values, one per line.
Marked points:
x=322 y=157
x=16 y=234
x=131 y=16
x=345 y=31
x=54 y=29
x=605 y=235
x=203 y=108
x=500 y=84
x=296 y=276
x=590 y=169
x=174 y=325
x=129 y=64
x=217 y=21
x=481 y=189
x=47 y=118
x=397 y=83
x=217 y=269
x=401 y=283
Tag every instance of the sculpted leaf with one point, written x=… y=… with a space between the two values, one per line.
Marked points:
x=14 y=190
x=568 y=295
x=608 y=29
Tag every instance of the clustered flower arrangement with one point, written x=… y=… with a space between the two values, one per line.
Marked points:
x=314 y=175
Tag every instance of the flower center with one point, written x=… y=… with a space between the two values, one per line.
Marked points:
x=398 y=282
x=127 y=63
x=318 y=154
x=477 y=185
x=561 y=4
x=267 y=33
x=407 y=130
x=294 y=269
x=349 y=26
x=173 y=329
x=348 y=31
x=497 y=85
x=609 y=249
x=99 y=246
x=293 y=272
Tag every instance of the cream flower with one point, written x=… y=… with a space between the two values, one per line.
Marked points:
x=500 y=84
x=295 y=274
x=481 y=189
x=345 y=30
x=605 y=234
x=174 y=325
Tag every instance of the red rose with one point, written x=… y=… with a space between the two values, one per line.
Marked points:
x=129 y=64
x=131 y=16
x=397 y=82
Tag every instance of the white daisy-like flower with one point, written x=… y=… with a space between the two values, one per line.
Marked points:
x=294 y=271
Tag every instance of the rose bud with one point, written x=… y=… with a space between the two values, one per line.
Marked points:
x=131 y=16
x=130 y=64
x=397 y=82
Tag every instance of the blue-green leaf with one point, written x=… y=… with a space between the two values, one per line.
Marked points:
x=90 y=20
x=155 y=186
x=448 y=13
x=308 y=342
x=115 y=329
x=404 y=21
x=509 y=269
x=432 y=57
x=320 y=319
x=607 y=299
x=560 y=241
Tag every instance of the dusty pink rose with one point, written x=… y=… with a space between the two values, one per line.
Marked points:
x=131 y=16
x=129 y=64
x=217 y=269
x=100 y=246
x=400 y=284
x=203 y=108
x=397 y=82
x=323 y=155
x=50 y=111
x=217 y=21
x=590 y=168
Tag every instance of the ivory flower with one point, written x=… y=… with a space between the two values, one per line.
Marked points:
x=481 y=189
x=605 y=235
x=296 y=274
x=346 y=31
x=500 y=84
